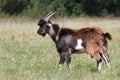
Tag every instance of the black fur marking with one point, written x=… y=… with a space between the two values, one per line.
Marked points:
x=56 y=30
x=41 y=22
x=66 y=31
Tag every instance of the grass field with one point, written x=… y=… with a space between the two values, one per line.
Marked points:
x=24 y=55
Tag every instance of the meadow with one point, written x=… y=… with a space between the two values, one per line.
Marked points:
x=24 y=55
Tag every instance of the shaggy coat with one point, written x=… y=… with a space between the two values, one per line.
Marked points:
x=91 y=40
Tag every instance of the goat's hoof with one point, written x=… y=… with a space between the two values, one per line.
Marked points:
x=70 y=68
x=60 y=67
x=108 y=66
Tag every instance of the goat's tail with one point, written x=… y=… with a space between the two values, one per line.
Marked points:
x=108 y=36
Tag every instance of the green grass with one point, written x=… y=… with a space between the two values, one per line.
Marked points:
x=24 y=55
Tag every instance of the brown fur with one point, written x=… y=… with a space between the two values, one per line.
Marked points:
x=93 y=39
x=92 y=36
x=88 y=32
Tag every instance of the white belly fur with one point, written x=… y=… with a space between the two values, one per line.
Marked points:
x=79 y=44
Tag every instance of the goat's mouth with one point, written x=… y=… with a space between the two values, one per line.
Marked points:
x=42 y=34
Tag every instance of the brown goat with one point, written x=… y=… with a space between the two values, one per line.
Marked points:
x=68 y=41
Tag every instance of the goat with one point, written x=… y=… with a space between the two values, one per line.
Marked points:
x=91 y=40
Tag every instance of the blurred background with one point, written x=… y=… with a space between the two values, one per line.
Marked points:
x=24 y=55
x=39 y=8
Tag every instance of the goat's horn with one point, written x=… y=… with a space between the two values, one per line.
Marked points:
x=49 y=16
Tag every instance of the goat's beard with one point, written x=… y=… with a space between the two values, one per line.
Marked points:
x=43 y=35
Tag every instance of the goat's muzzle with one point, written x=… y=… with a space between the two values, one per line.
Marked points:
x=40 y=33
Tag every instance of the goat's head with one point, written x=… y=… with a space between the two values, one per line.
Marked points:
x=45 y=24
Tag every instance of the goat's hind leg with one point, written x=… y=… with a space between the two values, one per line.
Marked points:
x=105 y=59
x=107 y=55
x=97 y=57
x=99 y=64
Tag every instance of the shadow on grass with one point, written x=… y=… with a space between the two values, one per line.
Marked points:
x=94 y=70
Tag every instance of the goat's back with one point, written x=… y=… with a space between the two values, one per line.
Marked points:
x=88 y=33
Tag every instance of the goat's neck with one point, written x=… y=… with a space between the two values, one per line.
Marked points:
x=54 y=31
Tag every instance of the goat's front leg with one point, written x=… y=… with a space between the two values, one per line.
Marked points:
x=62 y=60
x=68 y=60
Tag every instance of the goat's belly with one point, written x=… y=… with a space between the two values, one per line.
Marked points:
x=80 y=51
